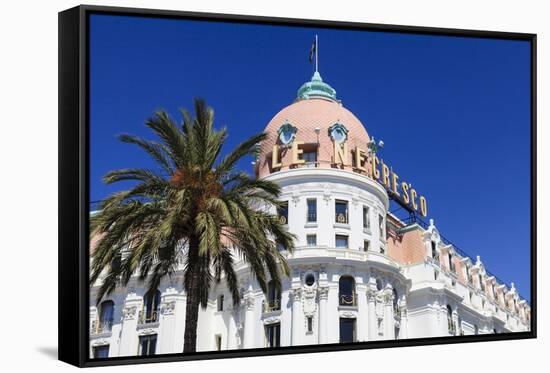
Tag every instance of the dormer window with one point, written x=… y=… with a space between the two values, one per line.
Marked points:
x=435 y=255
x=451 y=263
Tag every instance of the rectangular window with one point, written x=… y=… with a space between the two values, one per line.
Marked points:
x=366 y=245
x=310 y=324
x=282 y=212
x=481 y=283
x=311 y=239
x=218 y=342
x=311 y=210
x=341 y=208
x=451 y=263
x=366 y=220
x=220 y=303
x=342 y=241
x=347 y=330
x=309 y=157
x=434 y=251
x=273 y=335
x=381 y=226
x=101 y=351
x=147 y=345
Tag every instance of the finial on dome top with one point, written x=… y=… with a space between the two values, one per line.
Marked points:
x=316 y=88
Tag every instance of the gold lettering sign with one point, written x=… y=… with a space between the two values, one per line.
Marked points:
x=394 y=184
x=359 y=159
x=413 y=199
x=405 y=189
x=364 y=164
x=375 y=162
x=275 y=162
x=386 y=175
x=296 y=153
x=423 y=206
x=341 y=153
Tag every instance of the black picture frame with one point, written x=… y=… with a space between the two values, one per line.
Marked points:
x=74 y=184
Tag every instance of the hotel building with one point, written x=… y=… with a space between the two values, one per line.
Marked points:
x=358 y=272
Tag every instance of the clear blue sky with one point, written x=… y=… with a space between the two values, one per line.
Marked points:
x=454 y=112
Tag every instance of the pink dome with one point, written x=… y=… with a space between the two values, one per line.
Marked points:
x=306 y=115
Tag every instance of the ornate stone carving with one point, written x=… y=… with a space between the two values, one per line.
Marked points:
x=99 y=342
x=168 y=308
x=348 y=314
x=310 y=306
x=323 y=292
x=249 y=302
x=327 y=197
x=129 y=312
x=295 y=199
x=296 y=294
x=147 y=331
x=271 y=320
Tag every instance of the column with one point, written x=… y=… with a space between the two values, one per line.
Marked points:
x=167 y=323
x=128 y=335
x=296 y=316
x=455 y=322
x=232 y=330
x=371 y=300
x=323 y=297
x=403 y=312
x=362 y=313
x=389 y=321
x=444 y=324
x=249 y=303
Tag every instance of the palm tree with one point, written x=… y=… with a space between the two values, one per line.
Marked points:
x=197 y=213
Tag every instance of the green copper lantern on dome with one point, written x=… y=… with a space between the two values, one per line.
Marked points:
x=316 y=88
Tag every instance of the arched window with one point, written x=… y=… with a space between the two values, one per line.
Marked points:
x=106 y=316
x=347 y=291
x=151 y=307
x=450 y=323
x=273 y=297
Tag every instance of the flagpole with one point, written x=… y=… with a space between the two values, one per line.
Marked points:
x=316 y=53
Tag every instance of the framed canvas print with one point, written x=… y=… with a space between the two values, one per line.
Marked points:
x=234 y=186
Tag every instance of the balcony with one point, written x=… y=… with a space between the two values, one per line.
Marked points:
x=145 y=318
x=348 y=300
x=100 y=327
x=271 y=305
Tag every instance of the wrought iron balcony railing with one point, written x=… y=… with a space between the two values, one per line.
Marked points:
x=99 y=327
x=312 y=217
x=348 y=299
x=271 y=305
x=341 y=218
x=145 y=318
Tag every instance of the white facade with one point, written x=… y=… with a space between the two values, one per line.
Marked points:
x=420 y=309
x=357 y=272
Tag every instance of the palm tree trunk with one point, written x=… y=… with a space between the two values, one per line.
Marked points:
x=193 y=296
